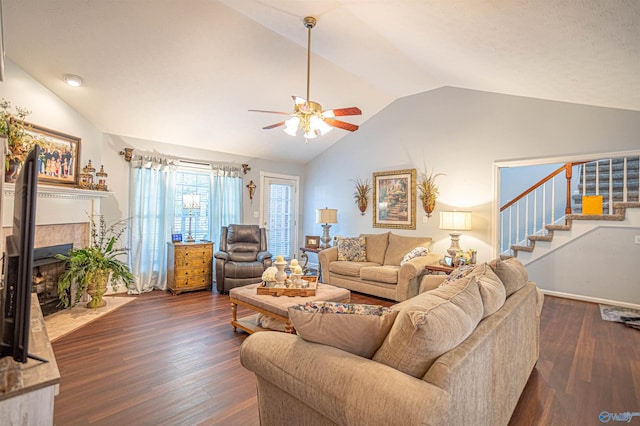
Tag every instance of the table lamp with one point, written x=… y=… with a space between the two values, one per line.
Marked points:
x=326 y=216
x=455 y=221
x=190 y=202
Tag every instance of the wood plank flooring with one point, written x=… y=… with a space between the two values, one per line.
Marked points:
x=173 y=360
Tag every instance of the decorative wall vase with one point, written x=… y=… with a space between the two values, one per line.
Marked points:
x=362 y=205
x=428 y=207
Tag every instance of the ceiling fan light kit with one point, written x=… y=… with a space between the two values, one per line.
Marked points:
x=308 y=115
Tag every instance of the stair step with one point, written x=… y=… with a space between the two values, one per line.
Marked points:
x=558 y=227
x=540 y=237
x=522 y=248
x=612 y=217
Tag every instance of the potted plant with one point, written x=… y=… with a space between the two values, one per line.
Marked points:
x=363 y=189
x=19 y=140
x=428 y=191
x=90 y=268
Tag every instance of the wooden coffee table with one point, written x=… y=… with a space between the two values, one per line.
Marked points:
x=276 y=306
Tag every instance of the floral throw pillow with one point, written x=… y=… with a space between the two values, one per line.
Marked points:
x=416 y=252
x=352 y=249
x=356 y=328
x=459 y=272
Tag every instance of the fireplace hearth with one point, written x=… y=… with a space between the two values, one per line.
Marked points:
x=46 y=270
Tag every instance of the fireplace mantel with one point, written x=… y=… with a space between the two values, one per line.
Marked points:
x=48 y=191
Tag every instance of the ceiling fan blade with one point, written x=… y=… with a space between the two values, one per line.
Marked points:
x=341 y=124
x=270 y=112
x=273 y=126
x=343 y=111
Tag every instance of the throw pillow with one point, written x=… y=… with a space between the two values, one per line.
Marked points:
x=512 y=273
x=352 y=249
x=416 y=252
x=429 y=325
x=359 y=329
x=459 y=272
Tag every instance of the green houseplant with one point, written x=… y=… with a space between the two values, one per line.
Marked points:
x=90 y=268
x=19 y=139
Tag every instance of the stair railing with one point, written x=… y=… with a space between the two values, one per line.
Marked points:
x=540 y=196
x=536 y=204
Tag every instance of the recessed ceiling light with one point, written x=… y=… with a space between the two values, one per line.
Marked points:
x=72 y=80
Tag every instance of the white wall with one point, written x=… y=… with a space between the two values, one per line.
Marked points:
x=460 y=133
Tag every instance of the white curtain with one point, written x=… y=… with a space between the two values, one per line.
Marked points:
x=226 y=197
x=152 y=205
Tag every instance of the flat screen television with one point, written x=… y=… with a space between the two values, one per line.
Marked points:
x=18 y=265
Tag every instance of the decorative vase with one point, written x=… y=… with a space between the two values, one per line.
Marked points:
x=281 y=275
x=11 y=171
x=97 y=288
x=428 y=206
x=362 y=205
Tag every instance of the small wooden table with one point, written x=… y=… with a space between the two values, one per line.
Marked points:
x=439 y=268
x=304 y=256
x=276 y=307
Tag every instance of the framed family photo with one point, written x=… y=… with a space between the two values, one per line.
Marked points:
x=394 y=199
x=60 y=155
x=312 y=241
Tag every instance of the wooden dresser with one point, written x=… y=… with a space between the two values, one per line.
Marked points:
x=189 y=266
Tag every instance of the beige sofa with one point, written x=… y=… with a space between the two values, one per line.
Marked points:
x=381 y=274
x=477 y=382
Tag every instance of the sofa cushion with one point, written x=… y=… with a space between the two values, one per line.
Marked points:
x=359 y=329
x=383 y=274
x=416 y=252
x=492 y=290
x=376 y=246
x=400 y=245
x=429 y=325
x=511 y=272
x=352 y=249
x=349 y=269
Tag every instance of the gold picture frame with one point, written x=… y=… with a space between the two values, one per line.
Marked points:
x=394 y=199
x=59 y=156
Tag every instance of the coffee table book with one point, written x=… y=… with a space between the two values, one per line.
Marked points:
x=274 y=291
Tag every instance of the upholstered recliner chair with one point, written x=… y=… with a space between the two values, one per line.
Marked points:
x=242 y=257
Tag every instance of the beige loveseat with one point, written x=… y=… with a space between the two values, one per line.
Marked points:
x=381 y=274
x=476 y=382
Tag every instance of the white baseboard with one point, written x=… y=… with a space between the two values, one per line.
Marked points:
x=590 y=299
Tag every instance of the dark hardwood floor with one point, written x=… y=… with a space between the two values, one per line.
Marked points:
x=173 y=360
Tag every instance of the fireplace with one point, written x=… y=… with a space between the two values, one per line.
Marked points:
x=46 y=270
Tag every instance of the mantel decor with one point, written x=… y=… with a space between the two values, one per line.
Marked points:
x=394 y=199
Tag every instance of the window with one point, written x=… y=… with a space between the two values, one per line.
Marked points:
x=192 y=181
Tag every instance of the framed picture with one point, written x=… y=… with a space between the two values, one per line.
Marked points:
x=394 y=199
x=312 y=242
x=59 y=156
x=448 y=260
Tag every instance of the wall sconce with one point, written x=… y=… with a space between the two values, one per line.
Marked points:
x=127 y=152
x=245 y=168
x=252 y=189
x=455 y=221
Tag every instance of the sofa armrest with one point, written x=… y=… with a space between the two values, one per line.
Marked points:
x=341 y=386
x=431 y=281
x=325 y=257
x=410 y=274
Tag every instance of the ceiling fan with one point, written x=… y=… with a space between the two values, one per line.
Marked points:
x=307 y=115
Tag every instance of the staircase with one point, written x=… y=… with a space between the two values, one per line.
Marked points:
x=617 y=180
x=596 y=174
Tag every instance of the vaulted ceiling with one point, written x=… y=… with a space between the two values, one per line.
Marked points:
x=187 y=71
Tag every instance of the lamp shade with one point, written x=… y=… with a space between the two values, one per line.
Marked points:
x=191 y=201
x=327 y=215
x=455 y=221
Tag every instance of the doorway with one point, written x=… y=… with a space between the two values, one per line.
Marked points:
x=279 y=212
